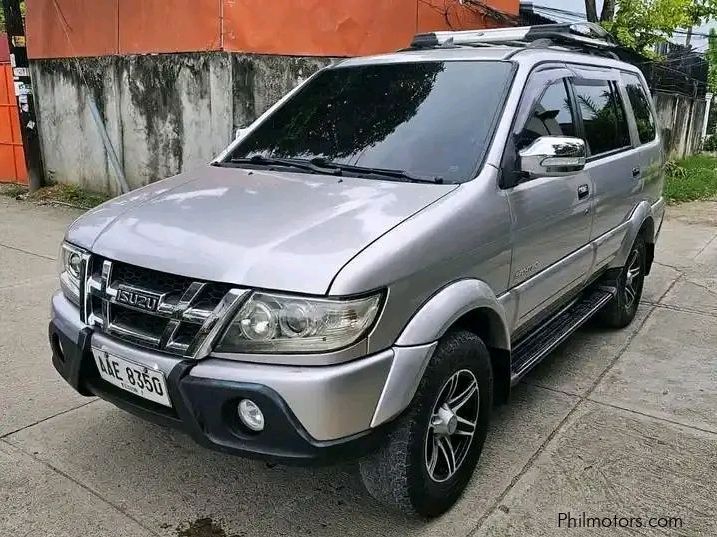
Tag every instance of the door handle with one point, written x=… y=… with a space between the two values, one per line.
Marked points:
x=636 y=172
x=583 y=191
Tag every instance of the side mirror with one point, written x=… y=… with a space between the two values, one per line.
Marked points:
x=551 y=156
x=240 y=133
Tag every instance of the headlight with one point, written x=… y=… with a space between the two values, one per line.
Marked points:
x=269 y=323
x=71 y=267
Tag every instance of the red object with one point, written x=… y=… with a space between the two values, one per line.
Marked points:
x=163 y=26
x=66 y=28
x=4 y=50
x=12 y=156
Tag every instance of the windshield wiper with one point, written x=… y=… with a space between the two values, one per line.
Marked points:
x=327 y=167
x=380 y=172
x=260 y=160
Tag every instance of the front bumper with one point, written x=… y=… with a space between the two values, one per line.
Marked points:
x=311 y=413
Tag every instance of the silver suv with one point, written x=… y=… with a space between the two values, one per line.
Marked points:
x=376 y=260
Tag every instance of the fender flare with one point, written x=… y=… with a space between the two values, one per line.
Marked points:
x=443 y=309
x=642 y=213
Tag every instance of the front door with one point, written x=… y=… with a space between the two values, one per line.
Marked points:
x=551 y=216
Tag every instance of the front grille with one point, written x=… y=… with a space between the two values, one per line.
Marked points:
x=162 y=311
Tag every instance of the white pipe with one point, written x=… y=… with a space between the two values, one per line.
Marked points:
x=708 y=102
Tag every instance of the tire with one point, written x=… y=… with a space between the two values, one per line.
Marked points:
x=398 y=474
x=621 y=310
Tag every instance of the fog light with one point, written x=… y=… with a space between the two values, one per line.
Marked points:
x=250 y=415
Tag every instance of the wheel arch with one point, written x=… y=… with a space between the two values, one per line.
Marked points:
x=647 y=230
x=641 y=223
x=470 y=302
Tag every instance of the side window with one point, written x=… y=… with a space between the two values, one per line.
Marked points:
x=603 y=116
x=641 y=107
x=551 y=116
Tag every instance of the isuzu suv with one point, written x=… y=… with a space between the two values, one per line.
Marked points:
x=376 y=260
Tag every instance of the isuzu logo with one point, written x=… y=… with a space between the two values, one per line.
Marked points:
x=137 y=298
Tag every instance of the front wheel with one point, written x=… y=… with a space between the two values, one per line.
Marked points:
x=429 y=456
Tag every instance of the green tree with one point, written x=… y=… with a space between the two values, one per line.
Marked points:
x=2 y=15
x=641 y=24
x=711 y=56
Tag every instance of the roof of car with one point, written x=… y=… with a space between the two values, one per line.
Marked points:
x=527 y=55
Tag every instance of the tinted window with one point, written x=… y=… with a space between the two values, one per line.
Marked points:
x=428 y=118
x=603 y=116
x=641 y=107
x=551 y=116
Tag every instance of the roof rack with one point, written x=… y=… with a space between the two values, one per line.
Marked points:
x=584 y=35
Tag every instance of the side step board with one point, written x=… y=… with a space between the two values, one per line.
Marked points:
x=536 y=346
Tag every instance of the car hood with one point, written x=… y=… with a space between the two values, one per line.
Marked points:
x=256 y=228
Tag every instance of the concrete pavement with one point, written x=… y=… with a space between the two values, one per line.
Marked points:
x=613 y=424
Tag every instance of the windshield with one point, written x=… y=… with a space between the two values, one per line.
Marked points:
x=430 y=119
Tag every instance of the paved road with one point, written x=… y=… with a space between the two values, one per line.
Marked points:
x=614 y=423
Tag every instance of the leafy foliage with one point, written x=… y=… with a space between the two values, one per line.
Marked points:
x=2 y=15
x=675 y=170
x=711 y=56
x=710 y=143
x=641 y=24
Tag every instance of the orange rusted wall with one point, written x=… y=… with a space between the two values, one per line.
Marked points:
x=318 y=27
x=298 y=27
x=90 y=24
x=12 y=157
x=162 y=26
x=451 y=14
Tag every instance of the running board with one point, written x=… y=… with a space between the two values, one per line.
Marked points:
x=536 y=346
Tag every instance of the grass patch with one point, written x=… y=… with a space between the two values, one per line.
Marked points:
x=69 y=195
x=12 y=190
x=692 y=178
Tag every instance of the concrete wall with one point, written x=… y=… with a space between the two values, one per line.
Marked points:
x=164 y=113
x=680 y=119
x=168 y=113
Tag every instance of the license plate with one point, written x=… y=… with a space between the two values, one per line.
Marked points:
x=134 y=378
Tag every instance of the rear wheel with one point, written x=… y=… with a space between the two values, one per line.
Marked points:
x=621 y=310
x=430 y=454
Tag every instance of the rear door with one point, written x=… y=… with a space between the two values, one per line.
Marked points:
x=650 y=149
x=551 y=215
x=613 y=162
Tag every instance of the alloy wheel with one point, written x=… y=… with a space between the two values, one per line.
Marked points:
x=452 y=425
x=633 y=278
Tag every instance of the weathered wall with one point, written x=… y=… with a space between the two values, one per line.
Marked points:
x=680 y=119
x=163 y=113
x=168 y=113
x=66 y=28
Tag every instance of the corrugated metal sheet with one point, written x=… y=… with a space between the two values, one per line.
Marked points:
x=12 y=156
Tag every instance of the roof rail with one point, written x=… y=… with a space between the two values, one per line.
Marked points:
x=583 y=35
